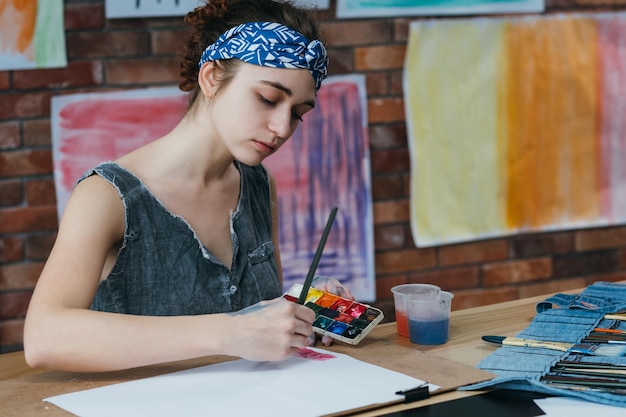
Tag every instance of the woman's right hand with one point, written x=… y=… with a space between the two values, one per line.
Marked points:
x=271 y=330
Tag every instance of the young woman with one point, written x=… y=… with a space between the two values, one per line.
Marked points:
x=171 y=251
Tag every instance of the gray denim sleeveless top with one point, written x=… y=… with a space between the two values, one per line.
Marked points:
x=163 y=269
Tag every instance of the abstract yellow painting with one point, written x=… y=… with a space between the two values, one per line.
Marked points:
x=516 y=125
x=31 y=34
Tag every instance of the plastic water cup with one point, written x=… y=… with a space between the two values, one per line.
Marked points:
x=429 y=320
x=401 y=293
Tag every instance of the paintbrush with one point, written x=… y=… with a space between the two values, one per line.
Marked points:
x=616 y=316
x=316 y=258
x=612 y=331
x=591 y=349
x=614 y=383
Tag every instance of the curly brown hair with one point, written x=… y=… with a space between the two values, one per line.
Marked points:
x=209 y=21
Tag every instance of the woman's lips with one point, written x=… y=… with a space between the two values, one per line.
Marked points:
x=264 y=147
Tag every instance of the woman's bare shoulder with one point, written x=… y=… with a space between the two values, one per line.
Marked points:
x=95 y=204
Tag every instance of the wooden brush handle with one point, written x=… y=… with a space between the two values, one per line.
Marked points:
x=516 y=341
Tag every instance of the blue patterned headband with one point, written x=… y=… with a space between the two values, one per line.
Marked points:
x=270 y=45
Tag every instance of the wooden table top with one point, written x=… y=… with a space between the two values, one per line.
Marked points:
x=22 y=388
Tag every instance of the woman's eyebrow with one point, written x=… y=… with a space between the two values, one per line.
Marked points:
x=286 y=90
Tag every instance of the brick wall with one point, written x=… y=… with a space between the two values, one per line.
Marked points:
x=113 y=54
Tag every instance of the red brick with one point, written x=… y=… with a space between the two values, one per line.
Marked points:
x=404 y=260
x=385 y=284
x=167 y=42
x=28 y=219
x=39 y=246
x=27 y=162
x=464 y=253
x=24 y=105
x=76 y=74
x=352 y=33
x=510 y=272
x=389 y=237
x=396 y=81
x=37 y=132
x=11 y=333
x=40 y=192
x=611 y=277
x=324 y=15
x=84 y=16
x=622 y=259
x=391 y=211
x=602 y=238
x=142 y=71
x=14 y=304
x=559 y=4
x=388 y=309
x=388 y=136
x=11 y=193
x=388 y=186
x=374 y=58
x=11 y=249
x=407 y=185
x=376 y=84
x=108 y=44
x=524 y=246
x=410 y=242
x=388 y=161
x=381 y=110
x=585 y=263
x=20 y=276
x=449 y=279
x=586 y=3
x=5 y=81
x=340 y=61
x=401 y=29
x=147 y=23
x=473 y=298
x=9 y=135
x=550 y=287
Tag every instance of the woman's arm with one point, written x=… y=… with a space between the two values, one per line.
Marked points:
x=62 y=333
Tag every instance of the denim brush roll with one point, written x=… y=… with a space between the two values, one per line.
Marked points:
x=560 y=318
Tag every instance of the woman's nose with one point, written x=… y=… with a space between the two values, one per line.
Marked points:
x=281 y=124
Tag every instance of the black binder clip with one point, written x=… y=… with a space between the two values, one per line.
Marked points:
x=415 y=394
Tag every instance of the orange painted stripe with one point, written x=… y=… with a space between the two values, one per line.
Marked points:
x=25 y=15
x=28 y=8
x=551 y=105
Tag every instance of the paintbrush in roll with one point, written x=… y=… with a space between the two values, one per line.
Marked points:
x=592 y=349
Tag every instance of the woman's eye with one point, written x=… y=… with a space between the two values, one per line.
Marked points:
x=266 y=101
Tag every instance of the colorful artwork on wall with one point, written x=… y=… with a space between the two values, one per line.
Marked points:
x=31 y=34
x=382 y=8
x=116 y=9
x=516 y=125
x=325 y=164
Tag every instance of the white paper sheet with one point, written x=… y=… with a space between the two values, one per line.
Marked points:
x=574 y=407
x=296 y=386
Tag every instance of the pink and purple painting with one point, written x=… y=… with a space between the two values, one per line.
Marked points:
x=325 y=164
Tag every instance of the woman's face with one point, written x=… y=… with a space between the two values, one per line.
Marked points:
x=260 y=108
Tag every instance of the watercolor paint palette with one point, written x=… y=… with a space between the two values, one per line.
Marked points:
x=342 y=319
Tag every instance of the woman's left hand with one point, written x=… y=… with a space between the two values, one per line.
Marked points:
x=333 y=286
